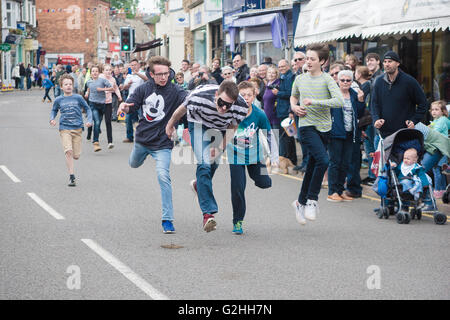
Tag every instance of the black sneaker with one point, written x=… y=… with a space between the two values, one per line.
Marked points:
x=72 y=182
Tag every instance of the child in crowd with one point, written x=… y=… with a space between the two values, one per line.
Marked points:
x=411 y=175
x=441 y=124
x=47 y=84
x=70 y=122
x=246 y=151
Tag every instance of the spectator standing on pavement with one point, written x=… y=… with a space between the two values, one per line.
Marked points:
x=202 y=77
x=373 y=64
x=299 y=60
x=343 y=137
x=96 y=95
x=262 y=73
x=132 y=82
x=317 y=93
x=179 y=79
x=283 y=109
x=241 y=68
x=70 y=123
x=246 y=152
x=29 y=75
x=158 y=98
x=213 y=113
x=23 y=74
x=217 y=71
x=351 y=61
x=185 y=65
x=227 y=74
x=270 y=99
x=16 y=76
x=398 y=101
x=107 y=74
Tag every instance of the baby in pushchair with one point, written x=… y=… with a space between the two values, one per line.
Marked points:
x=402 y=183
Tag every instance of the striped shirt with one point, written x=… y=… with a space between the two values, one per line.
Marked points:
x=324 y=93
x=201 y=108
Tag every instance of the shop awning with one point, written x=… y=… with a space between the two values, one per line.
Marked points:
x=276 y=20
x=325 y=20
x=391 y=17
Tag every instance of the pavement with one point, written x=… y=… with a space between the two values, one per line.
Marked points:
x=103 y=238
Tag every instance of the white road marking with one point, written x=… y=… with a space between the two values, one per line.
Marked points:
x=45 y=206
x=126 y=271
x=10 y=174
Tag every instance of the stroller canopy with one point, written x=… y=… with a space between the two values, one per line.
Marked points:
x=397 y=143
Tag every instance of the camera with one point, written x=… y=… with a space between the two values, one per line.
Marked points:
x=200 y=74
x=271 y=87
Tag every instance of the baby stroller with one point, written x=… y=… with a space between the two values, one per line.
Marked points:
x=393 y=200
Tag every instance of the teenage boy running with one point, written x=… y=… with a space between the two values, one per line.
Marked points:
x=158 y=98
x=245 y=151
x=212 y=112
x=70 y=122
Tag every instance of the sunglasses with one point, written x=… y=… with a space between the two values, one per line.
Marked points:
x=221 y=103
x=345 y=80
x=299 y=59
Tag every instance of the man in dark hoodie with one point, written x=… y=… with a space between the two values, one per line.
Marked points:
x=398 y=101
x=158 y=98
x=242 y=70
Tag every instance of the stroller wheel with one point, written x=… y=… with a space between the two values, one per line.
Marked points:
x=440 y=218
x=403 y=217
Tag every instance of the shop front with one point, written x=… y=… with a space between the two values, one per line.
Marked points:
x=416 y=30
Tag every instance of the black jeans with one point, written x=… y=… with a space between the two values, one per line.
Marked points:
x=47 y=90
x=316 y=142
x=108 y=115
x=258 y=173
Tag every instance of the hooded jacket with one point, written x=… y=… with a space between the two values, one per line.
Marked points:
x=284 y=95
x=337 y=117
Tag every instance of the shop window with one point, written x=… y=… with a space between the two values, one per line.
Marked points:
x=9 y=15
x=252 y=54
x=266 y=49
x=442 y=66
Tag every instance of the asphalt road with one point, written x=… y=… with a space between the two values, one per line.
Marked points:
x=107 y=242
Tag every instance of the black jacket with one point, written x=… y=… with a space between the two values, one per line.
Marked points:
x=242 y=74
x=217 y=74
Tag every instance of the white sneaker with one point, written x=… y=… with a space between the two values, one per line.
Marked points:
x=299 y=212
x=110 y=146
x=311 y=209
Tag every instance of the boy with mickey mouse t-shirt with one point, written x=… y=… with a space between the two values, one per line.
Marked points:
x=158 y=98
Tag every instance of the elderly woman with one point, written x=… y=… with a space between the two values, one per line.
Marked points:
x=227 y=74
x=343 y=136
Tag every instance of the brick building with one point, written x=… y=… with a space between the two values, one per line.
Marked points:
x=79 y=28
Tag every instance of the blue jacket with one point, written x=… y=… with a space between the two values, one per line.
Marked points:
x=284 y=95
x=337 y=117
x=47 y=84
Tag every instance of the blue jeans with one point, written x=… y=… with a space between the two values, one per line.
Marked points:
x=305 y=154
x=440 y=182
x=316 y=143
x=258 y=173
x=162 y=158
x=353 y=174
x=22 y=82
x=369 y=143
x=98 y=110
x=431 y=160
x=57 y=91
x=340 y=151
x=130 y=118
x=202 y=140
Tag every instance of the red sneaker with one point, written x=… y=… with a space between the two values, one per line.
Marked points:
x=209 y=223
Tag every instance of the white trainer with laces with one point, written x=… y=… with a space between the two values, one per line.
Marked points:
x=299 y=212
x=311 y=210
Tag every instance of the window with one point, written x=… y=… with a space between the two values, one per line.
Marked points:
x=9 y=15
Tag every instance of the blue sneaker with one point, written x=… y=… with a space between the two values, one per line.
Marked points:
x=237 y=228
x=168 y=227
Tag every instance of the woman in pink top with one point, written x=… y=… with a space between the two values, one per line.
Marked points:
x=107 y=74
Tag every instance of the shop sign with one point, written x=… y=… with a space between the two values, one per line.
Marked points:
x=11 y=39
x=5 y=47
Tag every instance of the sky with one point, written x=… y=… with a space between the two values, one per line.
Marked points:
x=149 y=6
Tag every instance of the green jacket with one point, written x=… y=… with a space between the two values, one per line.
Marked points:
x=437 y=141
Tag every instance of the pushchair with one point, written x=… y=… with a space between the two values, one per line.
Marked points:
x=393 y=200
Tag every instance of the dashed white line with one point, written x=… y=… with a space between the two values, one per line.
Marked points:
x=10 y=174
x=45 y=206
x=126 y=271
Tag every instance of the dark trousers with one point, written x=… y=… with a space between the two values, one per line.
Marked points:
x=47 y=90
x=354 y=176
x=258 y=173
x=108 y=115
x=287 y=146
x=340 y=152
x=305 y=155
x=316 y=142
x=130 y=118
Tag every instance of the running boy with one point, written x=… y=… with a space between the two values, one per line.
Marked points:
x=47 y=84
x=246 y=151
x=70 y=122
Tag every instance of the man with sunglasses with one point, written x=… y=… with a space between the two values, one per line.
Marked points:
x=299 y=60
x=214 y=113
x=158 y=98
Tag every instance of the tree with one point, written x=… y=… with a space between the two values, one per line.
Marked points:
x=131 y=5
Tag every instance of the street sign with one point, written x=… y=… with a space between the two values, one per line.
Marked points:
x=5 y=47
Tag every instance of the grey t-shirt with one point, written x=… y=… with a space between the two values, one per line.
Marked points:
x=94 y=95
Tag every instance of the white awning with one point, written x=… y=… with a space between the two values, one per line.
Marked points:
x=400 y=16
x=328 y=20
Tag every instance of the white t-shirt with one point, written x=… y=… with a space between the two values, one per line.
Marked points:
x=136 y=82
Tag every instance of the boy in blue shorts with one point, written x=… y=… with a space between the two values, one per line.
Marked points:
x=247 y=151
x=70 y=122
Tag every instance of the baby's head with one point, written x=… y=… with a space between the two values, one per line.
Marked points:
x=410 y=156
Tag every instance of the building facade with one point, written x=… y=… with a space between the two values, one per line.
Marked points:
x=77 y=28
